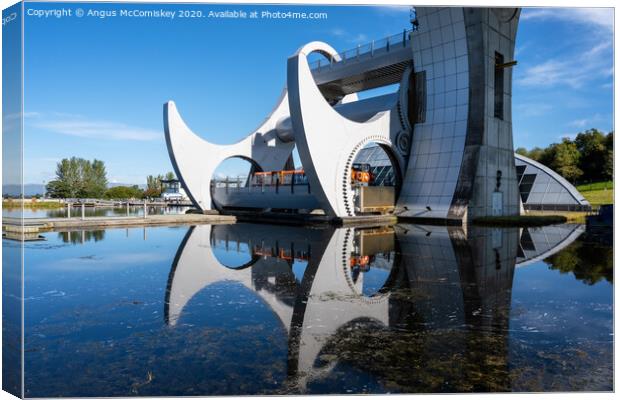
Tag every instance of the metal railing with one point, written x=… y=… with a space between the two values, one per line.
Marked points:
x=127 y=204
x=245 y=185
x=384 y=45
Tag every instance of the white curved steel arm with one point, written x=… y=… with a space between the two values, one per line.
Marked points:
x=328 y=142
x=195 y=159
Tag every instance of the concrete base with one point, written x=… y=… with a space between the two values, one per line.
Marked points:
x=313 y=219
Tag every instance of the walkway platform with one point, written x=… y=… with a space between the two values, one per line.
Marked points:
x=35 y=225
x=13 y=228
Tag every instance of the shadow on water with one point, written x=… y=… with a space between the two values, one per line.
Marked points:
x=262 y=309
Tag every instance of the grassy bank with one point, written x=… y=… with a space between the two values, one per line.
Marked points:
x=599 y=197
x=596 y=186
x=520 y=220
x=9 y=204
x=598 y=193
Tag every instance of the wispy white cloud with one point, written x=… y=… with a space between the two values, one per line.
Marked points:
x=80 y=126
x=16 y=116
x=599 y=17
x=520 y=49
x=591 y=55
x=569 y=71
x=578 y=123
x=13 y=121
x=358 y=38
x=584 y=122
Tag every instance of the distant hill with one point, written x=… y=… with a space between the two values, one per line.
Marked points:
x=33 y=189
x=30 y=189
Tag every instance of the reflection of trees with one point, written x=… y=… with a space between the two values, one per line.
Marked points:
x=590 y=262
x=76 y=237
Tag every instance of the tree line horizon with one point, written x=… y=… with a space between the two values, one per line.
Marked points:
x=80 y=178
x=587 y=158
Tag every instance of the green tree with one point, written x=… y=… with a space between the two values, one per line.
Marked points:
x=77 y=177
x=565 y=160
x=535 y=154
x=153 y=186
x=124 y=192
x=591 y=144
x=170 y=176
x=522 y=151
x=595 y=152
x=68 y=180
x=95 y=179
x=608 y=169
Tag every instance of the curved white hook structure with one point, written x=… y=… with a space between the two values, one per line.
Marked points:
x=194 y=159
x=327 y=141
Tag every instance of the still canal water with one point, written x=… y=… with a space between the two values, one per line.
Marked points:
x=260 y=309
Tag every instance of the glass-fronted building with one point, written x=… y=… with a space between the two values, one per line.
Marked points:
x=540 y=188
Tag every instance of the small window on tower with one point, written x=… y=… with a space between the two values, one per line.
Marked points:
x=499 y=86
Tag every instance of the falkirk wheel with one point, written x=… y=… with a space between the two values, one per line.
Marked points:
x=447 y=130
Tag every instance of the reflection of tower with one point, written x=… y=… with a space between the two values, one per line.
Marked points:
x=452 y=308
x=486 y=265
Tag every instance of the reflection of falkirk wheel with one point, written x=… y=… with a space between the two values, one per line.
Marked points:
x=311 y=310
x=447 y=131
x=458 y=280
x=196 y=267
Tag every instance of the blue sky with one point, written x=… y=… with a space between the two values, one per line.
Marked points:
x=95 y=88
x=563 y=83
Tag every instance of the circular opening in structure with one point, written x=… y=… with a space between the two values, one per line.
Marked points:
x=231 y=176
x=375 y=179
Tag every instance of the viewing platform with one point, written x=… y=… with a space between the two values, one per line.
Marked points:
x=369 y=66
